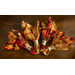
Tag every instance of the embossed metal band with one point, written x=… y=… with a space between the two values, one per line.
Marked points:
x=36 y=42
x=43 y=42
x=50 y=48
x=28 y=47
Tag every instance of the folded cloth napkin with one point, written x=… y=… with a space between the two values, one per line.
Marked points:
x=60 y=42
x=47 y=32
x=32 y=33
x=17 y=42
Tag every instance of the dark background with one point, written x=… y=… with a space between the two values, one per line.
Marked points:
x=64 y=23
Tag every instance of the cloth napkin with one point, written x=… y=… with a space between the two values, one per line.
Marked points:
x=17 y=42
x=48 y=32
x=32 y=33
x=60 y=42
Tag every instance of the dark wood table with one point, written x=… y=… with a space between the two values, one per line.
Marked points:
x=64 y=23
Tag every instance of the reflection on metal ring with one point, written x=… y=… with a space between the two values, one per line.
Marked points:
x=43 y=42
x=28 y=47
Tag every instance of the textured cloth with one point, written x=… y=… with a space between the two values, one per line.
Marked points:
x=32 y=33
x=17 y=42
x=60 y=42
x=47 y=32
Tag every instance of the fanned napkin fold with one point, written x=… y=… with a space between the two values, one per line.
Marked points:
x=48 y=32
x=17 y=42
x=60 y=42
x=32 y=33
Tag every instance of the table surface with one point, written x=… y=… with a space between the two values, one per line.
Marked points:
x=64 y=23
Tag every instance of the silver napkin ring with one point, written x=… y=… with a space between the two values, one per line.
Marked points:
x=44 y=42
x=36 y=42
x=28 y=47
x=50 y=48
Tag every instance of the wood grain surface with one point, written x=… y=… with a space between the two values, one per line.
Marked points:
x=64 y=23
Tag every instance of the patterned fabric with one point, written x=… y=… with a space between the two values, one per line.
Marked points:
x=60 y=42
x=45 y=51
x=48 y=32
x=17 y=42
x=36 y=33
x=32 y=33
x=26 y=26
